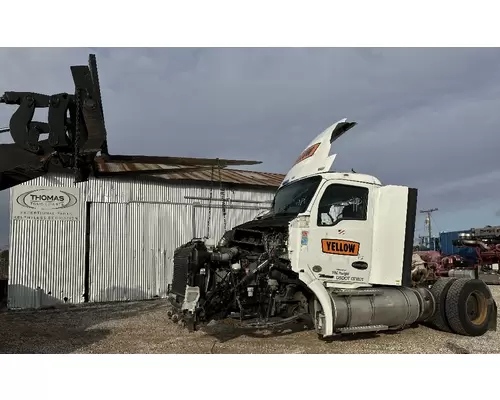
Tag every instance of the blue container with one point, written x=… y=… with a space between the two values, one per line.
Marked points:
x=447 y=249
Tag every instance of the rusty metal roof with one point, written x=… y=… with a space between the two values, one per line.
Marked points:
x=196 y=173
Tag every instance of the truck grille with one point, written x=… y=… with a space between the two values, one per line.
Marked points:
x=182 y=258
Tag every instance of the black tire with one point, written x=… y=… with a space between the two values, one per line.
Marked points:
x=469 y=307
x=439 y=290
x=313 y=311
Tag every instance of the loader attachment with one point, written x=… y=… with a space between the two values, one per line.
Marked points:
x=75 y=130
x=18 y=166
x=77 y=138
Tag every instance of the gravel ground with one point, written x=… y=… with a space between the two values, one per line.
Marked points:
x=143 y=327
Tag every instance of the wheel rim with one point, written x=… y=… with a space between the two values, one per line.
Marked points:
x=476 y=308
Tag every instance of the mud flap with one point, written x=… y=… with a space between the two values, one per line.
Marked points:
x=191 y=298
x=492 y=326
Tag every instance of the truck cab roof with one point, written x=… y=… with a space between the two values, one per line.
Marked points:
x=341 y=176
x=351 y=176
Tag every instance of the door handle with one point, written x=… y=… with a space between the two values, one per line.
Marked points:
x=359 y=265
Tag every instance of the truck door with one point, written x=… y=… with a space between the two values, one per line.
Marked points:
x=339 y=240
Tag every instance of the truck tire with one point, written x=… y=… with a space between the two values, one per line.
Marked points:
x=440 y=290
x=469 y=307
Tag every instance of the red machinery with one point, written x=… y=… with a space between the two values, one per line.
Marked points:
x=452 y=266
x=486 y=241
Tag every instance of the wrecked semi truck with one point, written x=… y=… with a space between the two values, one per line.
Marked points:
x=335 y=249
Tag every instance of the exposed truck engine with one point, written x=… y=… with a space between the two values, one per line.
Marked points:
x=247 y=276
x=336 y=249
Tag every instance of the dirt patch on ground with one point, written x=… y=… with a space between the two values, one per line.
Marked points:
x=143 y=327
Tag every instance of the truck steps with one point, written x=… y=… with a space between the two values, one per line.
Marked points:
x=365 y=328
x=358 y=292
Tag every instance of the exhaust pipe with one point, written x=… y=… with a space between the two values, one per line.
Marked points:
x=224 y=256
x=470 y=242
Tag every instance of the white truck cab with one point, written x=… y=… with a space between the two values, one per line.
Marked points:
x=350 y=231
x=340 y=239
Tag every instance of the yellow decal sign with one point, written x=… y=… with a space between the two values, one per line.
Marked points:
x=341 y=247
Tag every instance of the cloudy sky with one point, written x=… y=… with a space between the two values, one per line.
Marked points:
x=428 y=118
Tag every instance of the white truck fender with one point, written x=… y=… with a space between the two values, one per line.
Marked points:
x=322 y=295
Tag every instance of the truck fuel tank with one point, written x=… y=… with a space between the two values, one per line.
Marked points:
x=378 y=309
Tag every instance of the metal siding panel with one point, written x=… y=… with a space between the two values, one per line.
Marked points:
x=108 y=252
x=141 y=278
x=47 y=256
x=153 y=247
x=446 y=242
x=135 y=263
x=173 y=228
x=234 y=216
x=119 y=190
x=122 y=265
x=160 y=229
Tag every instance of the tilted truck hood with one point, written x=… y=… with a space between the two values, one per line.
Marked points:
x=268 y=221
x=316 y=156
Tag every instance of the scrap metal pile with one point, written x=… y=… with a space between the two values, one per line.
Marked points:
x=429 y=265
x=486 y=242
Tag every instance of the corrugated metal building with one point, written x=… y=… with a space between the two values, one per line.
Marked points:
x=113 y=239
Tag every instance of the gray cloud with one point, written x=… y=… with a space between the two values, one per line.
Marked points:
x=427 y=117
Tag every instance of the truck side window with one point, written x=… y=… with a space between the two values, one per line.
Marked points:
x=342 y=202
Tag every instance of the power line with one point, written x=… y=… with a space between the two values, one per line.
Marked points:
x=435 y=224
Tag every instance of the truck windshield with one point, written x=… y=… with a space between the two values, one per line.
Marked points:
x=294 y=198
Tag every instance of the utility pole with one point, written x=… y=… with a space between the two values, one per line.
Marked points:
x=428 y=222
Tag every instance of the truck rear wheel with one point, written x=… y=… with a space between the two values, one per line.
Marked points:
x=469 y=307
x=440 y=291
